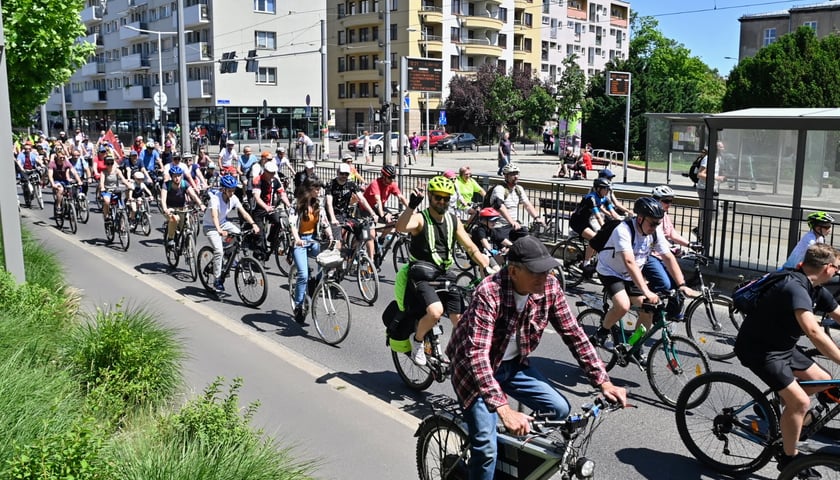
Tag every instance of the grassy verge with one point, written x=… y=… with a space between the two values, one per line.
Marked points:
x=93 y=398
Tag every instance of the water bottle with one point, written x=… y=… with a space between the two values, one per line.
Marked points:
x=388 y=239
x=639 y=333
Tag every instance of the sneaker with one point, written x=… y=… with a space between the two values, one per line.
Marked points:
x=170 y=244
x=588 y=270
x=641 y=356
x=600 y=337
x=219 y=286
x=300 y=315
x=418 y=352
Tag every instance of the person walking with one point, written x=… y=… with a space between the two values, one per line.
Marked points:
x=506 y=148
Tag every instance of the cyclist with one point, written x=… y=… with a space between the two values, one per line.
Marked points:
x=433 y=235
x=306 y=219
x=150 y=159
x=621 y=209
x=82 y=169
x=490 y=346
x=589 y=216
x=109 y=180
x=468 y=187
x=766 y=342
x=624 y=256
x=216 y=225
x=506 y=199
x=138 y=192
x=173 y=196
x=339 y=198
x=176 y=162
x=283 y=162
x=820 y=224
x=302 y=176
x=377 y=195
x=484 y=235
x=29 y=160
x=57 y=173
x=347 y=158
x=229 y=159
x=264 y=193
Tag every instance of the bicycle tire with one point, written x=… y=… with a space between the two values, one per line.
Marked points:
x=189 y=257
x=560 y=275
x=292 y=284
x=570 y=254
x=173 y=253
x=204 y=263
x=145 y=223
x=416 y=377
x=58 y=216
x=713 y=327
x=400 y=255
x=156 y=194
x=83 y=209
x=825 y=464
x=467 y=281
x=442 y=450
x=832 y=428
x=249 y=277
x=123 y=231
x=460 y=258
x=330 y=311
x=708 y=416
x=71 y=215
x=39 y=197
x=367 y=278
x=670 y=367
x=110 y=230
x=590 y=320
x=195 y=222
x=281 y=254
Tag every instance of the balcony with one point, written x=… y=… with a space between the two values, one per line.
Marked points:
x=91 y=69
x=523 y=3
x=618 y=22
x=359 y=48
x=359 y=20
x=95 y=39
x=136 y=93
x=520 y=26
x=480 y=46
x=194 y=16
x=575 y=14
x=431 y=13
x=486 y=21
x=199 y=89
x=94 y=96
x=521 y=53
x=199 y=52
x=137 y=3
x=433 y=43
x=135 y=61
x=369 y=75
x=92 y=15
x=129 y=34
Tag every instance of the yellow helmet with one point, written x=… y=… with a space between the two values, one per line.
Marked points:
x=441 y=184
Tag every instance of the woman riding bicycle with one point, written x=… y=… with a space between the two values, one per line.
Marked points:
x=307 y=218
x=109 y=180
x=173 y=196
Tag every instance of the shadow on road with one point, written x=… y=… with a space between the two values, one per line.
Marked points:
x=655 y=464
x=152 y=267
x=278 y=323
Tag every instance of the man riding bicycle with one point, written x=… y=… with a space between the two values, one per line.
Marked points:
x=589 y=216
x=340 y=194
x=377 y=195
x=59 y=172
x=506 y=199
x=174 y=196
x=433 y=235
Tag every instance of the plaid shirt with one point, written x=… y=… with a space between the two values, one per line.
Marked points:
x=484 y=331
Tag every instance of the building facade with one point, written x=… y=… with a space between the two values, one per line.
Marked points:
x=464 y=35
x=762 y=29
x=117 y=87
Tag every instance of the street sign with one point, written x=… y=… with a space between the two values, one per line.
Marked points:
x=442 y=118
x=160 y=98
x=406 y=104
x=618 y=84
x=425 y=74
x=308 y=110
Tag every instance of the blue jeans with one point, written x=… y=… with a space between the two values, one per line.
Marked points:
x=659 y=280
x=503 y=160
x=525 y=384
x=300 y=254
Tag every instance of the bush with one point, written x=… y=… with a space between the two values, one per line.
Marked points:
x=125 y=360
x=71 y=455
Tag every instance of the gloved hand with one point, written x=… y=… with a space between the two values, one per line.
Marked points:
x=416 y=198
x=696 y=246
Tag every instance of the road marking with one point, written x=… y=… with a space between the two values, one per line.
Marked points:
x=301 y=362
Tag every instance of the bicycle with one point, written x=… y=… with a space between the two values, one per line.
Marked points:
x=672 y=361
x=68 y=209
x=401 y=329
x=30 y=183
x=81 y=202
x=328 y=304
x=730 y=425
x=825 y=463
x=248 y=275
x=116 y=223
x=184 y=244
x=142 y=219
x=571 y=253
x=711 y=319
x=554 y=449
x=355 y=259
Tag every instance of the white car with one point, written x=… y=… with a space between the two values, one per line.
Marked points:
x=376 y=141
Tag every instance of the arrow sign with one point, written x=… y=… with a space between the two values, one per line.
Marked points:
x=406 y=104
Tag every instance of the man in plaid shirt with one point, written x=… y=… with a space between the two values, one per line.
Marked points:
x=490 y=347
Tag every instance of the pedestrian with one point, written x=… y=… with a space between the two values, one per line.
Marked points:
x=365 y=141
x=306 y=145
x=415 y=144
x=701 y=187
x=506 y=148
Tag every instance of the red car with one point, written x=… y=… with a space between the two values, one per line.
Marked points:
x=435 y=136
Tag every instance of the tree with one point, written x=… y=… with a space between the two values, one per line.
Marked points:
x=503 y=103
x=571 y=88
x=798 y=70
x=42 y=50
x=538 y=107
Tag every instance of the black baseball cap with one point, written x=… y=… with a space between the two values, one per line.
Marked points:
x=532 y=254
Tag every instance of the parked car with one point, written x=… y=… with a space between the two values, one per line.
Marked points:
x=376 y=141
x=351 y=145
x=435 y=135
x=458 y=141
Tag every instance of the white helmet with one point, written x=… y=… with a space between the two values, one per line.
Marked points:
x=662 y=191
x=139 y=176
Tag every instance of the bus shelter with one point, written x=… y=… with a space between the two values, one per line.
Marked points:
x=673 y=141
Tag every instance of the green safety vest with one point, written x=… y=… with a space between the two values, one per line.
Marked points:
x=430 y=238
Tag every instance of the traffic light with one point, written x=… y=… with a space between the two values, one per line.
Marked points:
x=383 y=110
x=228 y=63
x=252 y=65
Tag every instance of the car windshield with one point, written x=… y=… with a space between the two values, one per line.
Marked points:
x=376 y=136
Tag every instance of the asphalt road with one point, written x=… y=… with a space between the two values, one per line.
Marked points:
x=344 y=405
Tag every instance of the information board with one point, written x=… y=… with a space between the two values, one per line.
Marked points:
x=618 y=84
x=425 y=74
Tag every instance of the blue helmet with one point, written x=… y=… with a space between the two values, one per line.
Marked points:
x=175 y=170
x=229 y=181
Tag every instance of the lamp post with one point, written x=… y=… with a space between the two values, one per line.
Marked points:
x=160 y=74
x=424 y=34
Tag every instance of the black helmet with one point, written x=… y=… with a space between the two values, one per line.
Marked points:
x=648 y=207
x=389 y=171
x=601 y=183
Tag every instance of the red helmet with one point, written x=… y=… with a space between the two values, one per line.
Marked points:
x=489 y=213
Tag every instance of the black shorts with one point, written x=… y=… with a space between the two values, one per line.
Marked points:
x=774 y=368
x=421 y=294
x=614 y=285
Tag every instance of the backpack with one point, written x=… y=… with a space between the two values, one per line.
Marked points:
x=748 y=295
x=694 y=170
x=599 y=241
x=486 y=201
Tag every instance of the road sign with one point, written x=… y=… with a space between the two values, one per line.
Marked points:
x=425 y=74
x=618 y=84
x=308 y=110
x=160 y=98
x=406 y=104
x=308 y=100
x=442 y=118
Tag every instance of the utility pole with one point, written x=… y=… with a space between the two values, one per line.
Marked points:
x=325 y=130
x=183 y=92
x=386 y=137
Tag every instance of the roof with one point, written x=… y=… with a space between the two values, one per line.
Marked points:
x=831 y=5
x=782 y=112
x=777 y=119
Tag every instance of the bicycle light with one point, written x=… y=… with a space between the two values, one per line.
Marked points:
x=584 y=468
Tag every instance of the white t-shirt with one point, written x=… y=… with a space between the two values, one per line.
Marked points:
x=218 y=203
x=512 y=349
x=226 y=157
x=701 y=185
x=798 y=253
x=611 y=260
x=511 y=202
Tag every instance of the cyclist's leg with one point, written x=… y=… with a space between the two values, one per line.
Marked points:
x=300 y=255
x=659 y=280
x=58 y=195
x=529 y=386
x=215 y=239
x=171 y=224
x=481 y=424
x=617 y=290
x=106 y=204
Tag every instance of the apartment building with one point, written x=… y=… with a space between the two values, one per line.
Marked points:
x=762 y=29
x=464 y=35
x=137 y=55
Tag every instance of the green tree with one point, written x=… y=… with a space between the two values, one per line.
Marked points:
x=798 y=70
x=504 y=102
x=538 y=107
x=42 y=50
x=571 y=88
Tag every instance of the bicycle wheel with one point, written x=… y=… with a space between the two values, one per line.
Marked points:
x=570 y=253
x=82 y=208
x=442 y=450
x=281 y=254
x=416 y=377
x=590 y=320
x=122 y=230
x=714 y=326
x=39 y=197
x=145 y=223
x=110 y=229
x=462 y=260
x=58 y=214
x=189 y=257
x=250 y=281
x=400 y=253
x=827 y=465
x=467 y=281
x=367 y=278
x=156 y=194
x=204 y=263
x=292 y=283
x=173 y=253
x=832 y=428
x=71 y=215
x=331 y=313
x=672 y=364
x=727 y=423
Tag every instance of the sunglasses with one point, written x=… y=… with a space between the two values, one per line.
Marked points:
x=654 y=224
x=440 y=198
x=666 y=200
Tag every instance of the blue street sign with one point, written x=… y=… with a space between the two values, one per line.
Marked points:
x=406 y=104
x=308 y=111
x=442 y=118
x=220 y=101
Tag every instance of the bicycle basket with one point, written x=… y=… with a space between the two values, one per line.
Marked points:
x=329 y=259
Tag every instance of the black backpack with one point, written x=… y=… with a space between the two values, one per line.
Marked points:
x=486 y=201
x=748 y=295
x=694 y=170
x=599 y=241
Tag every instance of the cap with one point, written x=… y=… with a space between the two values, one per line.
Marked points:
x=450 y=174
x=103 y=148
x=186 y=156
x=270 y=167
x=309 y=164
x=281 y=150
x=150 y=144
x=606 y=173
x=132 y=153
x=265 y=155
x=343 y=168
x=532 y=254
x=138 y=138
x=347 y=156
x=230 y=142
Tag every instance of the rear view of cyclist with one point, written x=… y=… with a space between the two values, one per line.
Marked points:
x=820 y=224
x=174 y=195
x=589 y=216
x=485 y=235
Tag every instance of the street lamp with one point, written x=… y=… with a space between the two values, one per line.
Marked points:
x=160 y=74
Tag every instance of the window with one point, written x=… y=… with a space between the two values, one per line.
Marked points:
x=364 y=63
x=341 y=40
x=502 y=64
x=528 y=19
x=527 y=44
x=342 y=93
x=364 y=6
x=265 y=6
x=351 y=36
x=455 y=34
x=364 y=91
x=364 y=34
x=374 y=33
x=351 y=92
x=395 y=5
x=342 y=65
x=266 y=40
x=375 y=89
x=454 y=62
x=812 y=24
x=503 y=14
x=351 y=8
x=503 y=40
x=267 y=76
x=769 y=36
x=351 y=63
x=393 y=32
x=340 y=10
